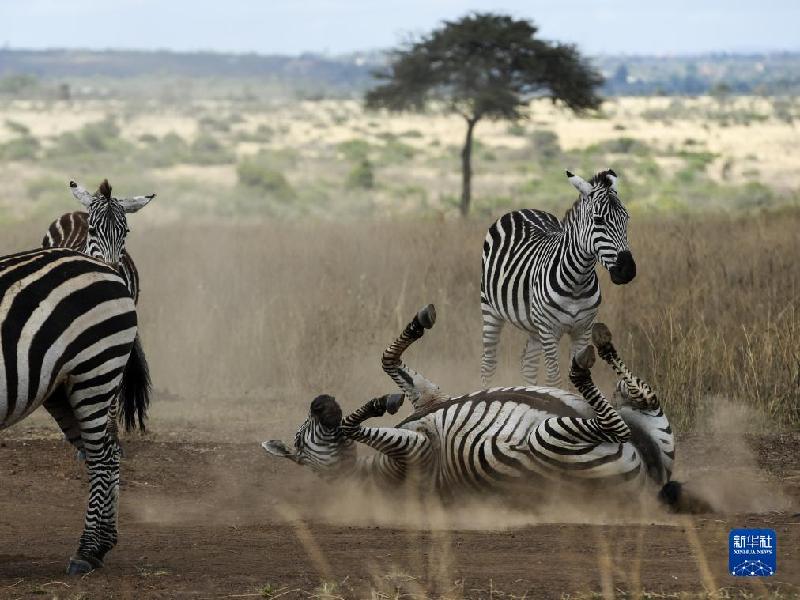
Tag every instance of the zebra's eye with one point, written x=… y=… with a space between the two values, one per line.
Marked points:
x=92 y=230
x=599 y=220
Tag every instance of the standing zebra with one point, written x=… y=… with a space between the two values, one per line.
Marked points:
x=67 y=334
x=539 y=275
x=498 y=439
x=71 y=230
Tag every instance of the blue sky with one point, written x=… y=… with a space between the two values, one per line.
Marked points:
x=339 y=26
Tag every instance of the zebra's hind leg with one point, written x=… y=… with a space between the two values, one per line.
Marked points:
x=419 y=390
x=113 y=425
x=90 y=399
x=492 y=327
x=530 y=359
x=58 y=407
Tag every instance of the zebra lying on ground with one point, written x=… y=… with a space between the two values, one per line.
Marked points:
x=498 y=439
x=67 y=334
x=71 y=230
x=539 y=274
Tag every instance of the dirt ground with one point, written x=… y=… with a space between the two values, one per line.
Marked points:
x=203 y=520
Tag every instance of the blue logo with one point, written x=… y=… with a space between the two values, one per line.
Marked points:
x=752 y=552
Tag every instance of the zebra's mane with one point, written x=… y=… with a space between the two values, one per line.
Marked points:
x=602 y=178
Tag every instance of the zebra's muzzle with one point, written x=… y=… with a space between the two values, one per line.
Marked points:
x=624 y=270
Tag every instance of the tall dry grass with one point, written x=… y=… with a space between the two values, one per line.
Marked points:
x=244 y=323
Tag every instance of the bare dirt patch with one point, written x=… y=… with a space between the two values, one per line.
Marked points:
x=222 y=520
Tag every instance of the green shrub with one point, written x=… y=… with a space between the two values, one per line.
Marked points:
x=396 y=151
x=25 y=147
x=92 y=138
x=208 y=150
x=254 y=173
x=17 y=127
x=362 y=175
x=355 y=149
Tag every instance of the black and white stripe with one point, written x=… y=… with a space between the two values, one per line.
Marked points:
x=495 y=439
x=67 y=332
x=539 y=274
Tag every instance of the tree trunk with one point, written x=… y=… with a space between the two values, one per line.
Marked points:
x=466 y=167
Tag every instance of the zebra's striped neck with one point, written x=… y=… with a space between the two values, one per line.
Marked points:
x=579 y=259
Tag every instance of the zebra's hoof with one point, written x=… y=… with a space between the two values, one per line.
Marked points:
x=585 y=358
x=601 y=334
x=80 y=566
x=427 y=316
x=394 y=402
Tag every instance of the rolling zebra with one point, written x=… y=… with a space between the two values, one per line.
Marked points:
x=67 y=335
x=498 y=439
x=539 y=274
x=71 y=230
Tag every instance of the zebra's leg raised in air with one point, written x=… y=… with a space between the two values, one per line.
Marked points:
x=398 y=449
x=634 y=390
x=530 y=359
x=492 y=327
x=578 y=445
x=419 y=390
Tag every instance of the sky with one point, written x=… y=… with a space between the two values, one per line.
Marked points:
x=342 y=26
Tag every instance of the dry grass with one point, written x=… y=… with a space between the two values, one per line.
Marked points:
x=244 y=324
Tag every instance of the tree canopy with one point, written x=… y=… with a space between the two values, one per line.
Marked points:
x=484 y=65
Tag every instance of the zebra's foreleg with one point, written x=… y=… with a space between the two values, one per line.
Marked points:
x=530 y=359
x=90 y=405
x=417 y=388
x=377 y=407
x=492 y=327
x=399 y=449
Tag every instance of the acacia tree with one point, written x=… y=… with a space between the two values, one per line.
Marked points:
x=483 y=65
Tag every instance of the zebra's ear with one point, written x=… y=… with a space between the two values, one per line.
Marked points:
x=278 y=448
x=131 y=205
x=80 y=194
x=612 y=178
x=580 y=183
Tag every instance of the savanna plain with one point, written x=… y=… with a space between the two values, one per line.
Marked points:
x=288 y=245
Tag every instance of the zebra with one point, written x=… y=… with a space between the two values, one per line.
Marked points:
x=71 y=230
x=498 y=439
x=539 y=274
x=67 y=334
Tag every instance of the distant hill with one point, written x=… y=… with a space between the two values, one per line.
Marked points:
x=28 y=72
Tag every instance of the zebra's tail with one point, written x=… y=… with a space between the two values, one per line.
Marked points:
x=134 y=393
x=680 y=500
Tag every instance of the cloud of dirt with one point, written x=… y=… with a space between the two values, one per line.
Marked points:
x=719 y=464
